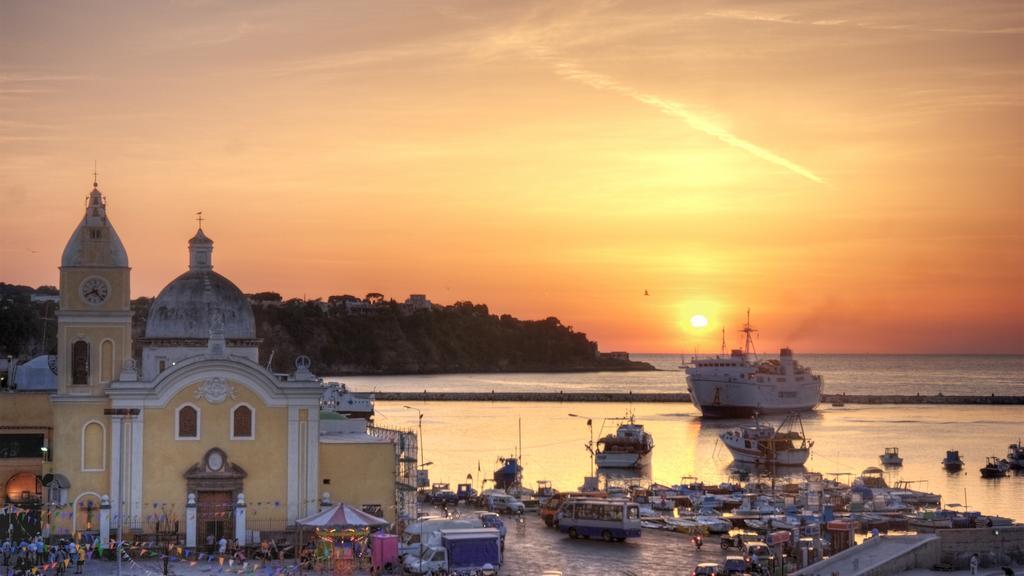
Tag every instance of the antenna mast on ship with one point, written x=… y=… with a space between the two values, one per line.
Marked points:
x=748 y=330
x=723 y=341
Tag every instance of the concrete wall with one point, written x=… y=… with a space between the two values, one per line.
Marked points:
x=24 y=408
x=924 y=556
x=880 y=557
x=959 y=544
x=359 y=473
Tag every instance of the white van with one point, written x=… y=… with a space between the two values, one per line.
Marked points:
x=505 y=504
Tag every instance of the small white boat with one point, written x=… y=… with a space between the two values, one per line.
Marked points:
x=762 y=444
x=713 y=524
x=755 y=507
x=685 y=525
x=629 y=447
x=756 y=525
x=891 y=457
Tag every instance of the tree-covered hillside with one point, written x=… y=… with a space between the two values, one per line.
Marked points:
x=349 y=335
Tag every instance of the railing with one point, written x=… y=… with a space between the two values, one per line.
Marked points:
x=266 y=528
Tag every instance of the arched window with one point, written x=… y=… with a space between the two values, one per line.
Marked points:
x=107 y=361
x=242 y=425
x=80 y=362
x=187 y=427
x=93 y=447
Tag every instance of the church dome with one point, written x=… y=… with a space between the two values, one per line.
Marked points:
x=186 y=308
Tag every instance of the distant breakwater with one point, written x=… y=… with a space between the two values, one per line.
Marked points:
x=826 y=399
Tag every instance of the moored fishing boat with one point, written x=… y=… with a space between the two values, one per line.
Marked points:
x=891 y=457
x=1015 y=456
x=952 y=462
x=508 y=474
x=629 y=447
x=995 y=468
x=765 y=445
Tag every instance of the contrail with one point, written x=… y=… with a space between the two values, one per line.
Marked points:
x=570 y=70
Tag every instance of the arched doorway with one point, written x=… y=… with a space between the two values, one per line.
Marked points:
x=216 y=482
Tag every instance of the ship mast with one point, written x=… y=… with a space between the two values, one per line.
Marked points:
x=748 y=331
x=723 y=341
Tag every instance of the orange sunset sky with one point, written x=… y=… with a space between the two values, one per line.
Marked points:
x=852 y=171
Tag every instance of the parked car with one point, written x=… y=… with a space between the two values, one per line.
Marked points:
x=492 y=520
x=444 y=497
x=735 y=566
x=761 y=551
x=707 y=569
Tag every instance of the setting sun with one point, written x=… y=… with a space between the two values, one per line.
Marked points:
x=699 y=321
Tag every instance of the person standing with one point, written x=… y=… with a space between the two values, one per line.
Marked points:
x=975 y=561
x=77 y=556
x=62 y=560
x=5 y=550
x=21 y=562
x=222 y=546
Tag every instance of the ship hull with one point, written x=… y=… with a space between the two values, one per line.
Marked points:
x=620 y=459
x=788 y=458
x=740 y=399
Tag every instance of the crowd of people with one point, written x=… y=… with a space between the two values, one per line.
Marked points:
x=36 y=556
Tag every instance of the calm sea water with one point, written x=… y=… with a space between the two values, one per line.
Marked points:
x=467 y=438
x=852 y=374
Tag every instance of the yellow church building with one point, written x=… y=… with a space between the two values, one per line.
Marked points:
x=195 y=437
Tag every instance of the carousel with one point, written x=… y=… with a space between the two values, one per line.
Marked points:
x=337 y=539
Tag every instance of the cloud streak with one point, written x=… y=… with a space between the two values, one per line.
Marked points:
x=573 y=71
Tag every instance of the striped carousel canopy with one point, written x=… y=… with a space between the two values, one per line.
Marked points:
x=342 y=516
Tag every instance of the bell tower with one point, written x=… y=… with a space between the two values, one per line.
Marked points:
x=94 y=324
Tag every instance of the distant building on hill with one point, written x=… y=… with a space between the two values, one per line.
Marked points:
x=416 y=302
x=616 y=355
x=37 y=297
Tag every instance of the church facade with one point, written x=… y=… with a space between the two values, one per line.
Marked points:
x=193 y=436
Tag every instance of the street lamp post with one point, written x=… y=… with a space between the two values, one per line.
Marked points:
x=419 y=467
x=419 y=441
x=590 y=445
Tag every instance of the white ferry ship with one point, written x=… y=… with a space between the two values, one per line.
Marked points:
x=741 y=385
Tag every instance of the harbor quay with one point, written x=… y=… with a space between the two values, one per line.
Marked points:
x=682 y=397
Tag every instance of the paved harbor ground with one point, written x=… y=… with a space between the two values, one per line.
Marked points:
x=530 y=549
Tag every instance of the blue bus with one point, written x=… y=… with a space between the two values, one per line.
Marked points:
x=597 y=518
